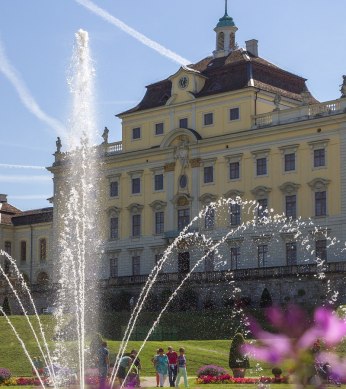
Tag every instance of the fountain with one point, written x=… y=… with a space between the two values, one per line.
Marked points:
x=78 y=250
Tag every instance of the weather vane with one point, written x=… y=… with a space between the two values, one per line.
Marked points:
x=225 y=7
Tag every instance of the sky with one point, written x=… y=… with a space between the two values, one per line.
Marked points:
x=135 y=43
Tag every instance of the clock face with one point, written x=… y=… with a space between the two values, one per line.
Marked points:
x=183 y=82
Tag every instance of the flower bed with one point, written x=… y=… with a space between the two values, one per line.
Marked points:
x=228 y=379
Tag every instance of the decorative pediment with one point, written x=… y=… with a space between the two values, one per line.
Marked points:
x=289 y=188
x=207 y=198
x=260 y=191
x=233 y=194
x=157 y=205
x=319 y=184
x=179 y=135
x=182 y=200
x=113 y=211
x=135 y=208
x=186 y=83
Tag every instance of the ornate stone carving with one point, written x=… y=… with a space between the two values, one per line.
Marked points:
x=105 y=135
x=196 y=162
x=343 y=87
x=169 y=167
x=181 y=152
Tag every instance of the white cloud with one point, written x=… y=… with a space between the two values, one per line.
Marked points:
x=135 y=34
x=20 y=178
x=7 y=165
x=25 y=96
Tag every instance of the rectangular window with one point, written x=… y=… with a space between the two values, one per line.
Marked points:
x=136 y=133
x=234 y=114
x=209 y=220
x=291 y=253
x=23 y=250
x=290 y=162
x=114 y=225
x=183 y=123
x=136 y=265
x=159 y=128
x=136 y=185
x=235 y=257
x=234 y=170
x=8 y=247
x=208 y=119
x=136 y=225
x=209 y=261
x=158 y=181
x=43 y=249
x=208 y=174
x=321 y=249
x=319 y=158
x=261 y=166
x=159 y=223
x=113 y=267
x=262 y=210
x=234 y=210
x=320 y=203
x=113 y=189
x=262 y=255
x=291 y=206
x=183 y=218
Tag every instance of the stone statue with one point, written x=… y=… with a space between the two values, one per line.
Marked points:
x=181 y=153
x=58 y=145
x=343 y=87
x=105 y=135
x=277 y=100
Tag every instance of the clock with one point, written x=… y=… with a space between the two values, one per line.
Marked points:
x=183 y=82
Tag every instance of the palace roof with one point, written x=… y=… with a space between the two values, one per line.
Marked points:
x=238 y=70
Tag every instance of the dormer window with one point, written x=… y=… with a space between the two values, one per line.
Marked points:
x=136 y=133
x=183 y=123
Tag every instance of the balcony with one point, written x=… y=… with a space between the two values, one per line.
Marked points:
x=228 y=275
x=114 y=148
x=305 y=112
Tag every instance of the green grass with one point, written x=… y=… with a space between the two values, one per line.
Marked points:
x=198 y=352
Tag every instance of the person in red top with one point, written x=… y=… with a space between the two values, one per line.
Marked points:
x=172 y=366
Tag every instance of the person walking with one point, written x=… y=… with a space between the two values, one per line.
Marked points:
x=103 y=364
x=156 y=373
x=124 y=365
x=172 y=366
x=137 y=363
x=161 y=366
x=181 y=368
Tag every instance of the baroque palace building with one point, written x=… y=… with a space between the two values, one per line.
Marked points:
x=232 y=125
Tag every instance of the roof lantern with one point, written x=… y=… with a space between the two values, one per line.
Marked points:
x=225 y=35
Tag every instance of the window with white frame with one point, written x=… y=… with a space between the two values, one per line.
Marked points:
x=136 y=226
x=321 y=249
x=319 y=188
x=319 y=153
x=235 y=257
x=235 y=214
x=159 y=222
x=291 y=206
x=159 y=128
x=114 y=227
x=113 y=267
x=208 y=119
x=290 y=162
x=158 y=181
x=261 y=162
x=234 y=114
x=262 y=255
x=291 y=253
x=208 y=176
x=136 y=185
x=262 y=208
x=136 y=265
x=136 y=133
x=114 y=189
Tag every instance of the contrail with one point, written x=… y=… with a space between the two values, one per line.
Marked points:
x=30 y=197
x=20 y=178
x=135 y=34
x=24 y=94
x=7 y=165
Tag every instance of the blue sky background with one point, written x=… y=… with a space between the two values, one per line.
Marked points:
x=305 y=37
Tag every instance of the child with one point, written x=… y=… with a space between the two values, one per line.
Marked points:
x=181 y=368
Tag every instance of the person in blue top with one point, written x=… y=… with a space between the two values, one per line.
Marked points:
x=181 y=368
x=161 y=366
x=103 y=364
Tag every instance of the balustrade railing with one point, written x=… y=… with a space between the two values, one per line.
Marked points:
x=235 y=274
x=298 y=113
x=114 y=148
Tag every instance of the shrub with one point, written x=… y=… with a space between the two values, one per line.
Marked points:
x=5 y=374
x=211 y=370
x=236 y=357
x=276 y=371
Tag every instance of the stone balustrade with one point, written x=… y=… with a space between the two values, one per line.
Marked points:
x=304 y=112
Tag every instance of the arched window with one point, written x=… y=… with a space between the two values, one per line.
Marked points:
x=43 y=249
x=220 y=41
x=266 y=299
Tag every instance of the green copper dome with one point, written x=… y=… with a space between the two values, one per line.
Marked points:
x=226 y=21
